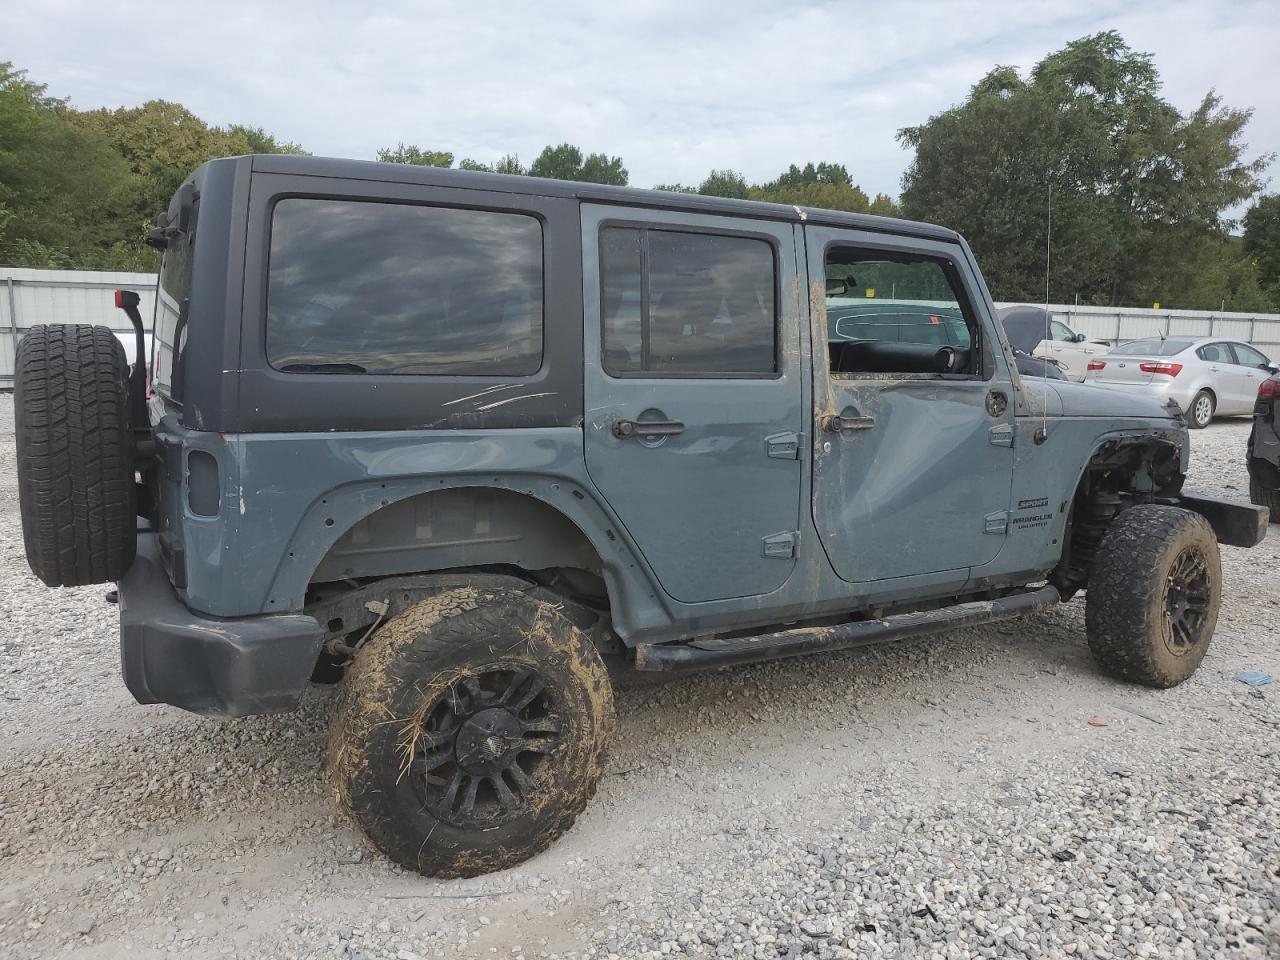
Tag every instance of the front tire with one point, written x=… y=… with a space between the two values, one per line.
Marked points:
x=1153 y=595
x=1201 y=411
x=471 y=732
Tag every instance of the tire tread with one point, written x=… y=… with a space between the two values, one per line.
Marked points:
x=75 y=478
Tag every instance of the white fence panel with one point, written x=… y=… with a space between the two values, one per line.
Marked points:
x=31 y=297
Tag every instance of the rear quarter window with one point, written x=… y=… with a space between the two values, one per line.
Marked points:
x=169 y=327
x=365 y=287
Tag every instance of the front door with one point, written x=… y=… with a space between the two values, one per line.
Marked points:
x=1252 y=368
x=913 y=408
x=694 y=404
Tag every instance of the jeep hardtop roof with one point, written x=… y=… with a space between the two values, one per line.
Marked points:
x=593 y=192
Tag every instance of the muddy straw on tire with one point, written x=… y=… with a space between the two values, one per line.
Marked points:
x=75 y=474
x=471 y=731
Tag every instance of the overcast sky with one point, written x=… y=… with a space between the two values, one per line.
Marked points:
x=675 y=87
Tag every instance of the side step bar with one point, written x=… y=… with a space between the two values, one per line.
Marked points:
x=728 y=651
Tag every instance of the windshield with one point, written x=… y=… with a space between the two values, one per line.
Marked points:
x=1151 y=348
x=169 y=332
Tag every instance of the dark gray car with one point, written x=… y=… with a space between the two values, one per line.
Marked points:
x=470 y=443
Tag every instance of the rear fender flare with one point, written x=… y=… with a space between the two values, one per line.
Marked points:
x=636 y=600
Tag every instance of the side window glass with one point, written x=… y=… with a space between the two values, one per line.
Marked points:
x=896 y=313
x=1061 y=331
x=1215 y=353
x=1249 y=356
x=360 y=287
x=687 y=304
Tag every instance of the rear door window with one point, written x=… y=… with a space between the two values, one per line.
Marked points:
x=362 y=287
x=683 y=304
x=1216 y=353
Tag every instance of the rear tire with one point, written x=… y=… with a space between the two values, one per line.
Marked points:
x=1153 y=595
x=1201 y=411
x=1264 y=496
x=75 y=468
x=471 y=731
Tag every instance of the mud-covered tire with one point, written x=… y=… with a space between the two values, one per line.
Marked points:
x=1200 y=412
x=425 y=703
x=1140 y=615
x=75 y=467
x=1263 y=496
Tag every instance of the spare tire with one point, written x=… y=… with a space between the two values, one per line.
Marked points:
x=75 y=465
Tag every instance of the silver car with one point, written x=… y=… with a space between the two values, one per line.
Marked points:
x=1207 y=377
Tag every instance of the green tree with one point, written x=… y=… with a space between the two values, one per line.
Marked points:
x=66 y=198
x=415 y=156
x=1136 y=186
x=1262 y=241
x=825 y=185
x=725 y=183
x=262 y=142
x=566 y=162
x=510 y=164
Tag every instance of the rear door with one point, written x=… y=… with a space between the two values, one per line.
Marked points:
x=694 y=404
x=913 y=426
x=1225 y=376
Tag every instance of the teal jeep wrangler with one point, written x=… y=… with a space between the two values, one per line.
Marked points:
x=473 y=445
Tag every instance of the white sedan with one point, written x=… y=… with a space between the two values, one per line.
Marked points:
x=1207 y=377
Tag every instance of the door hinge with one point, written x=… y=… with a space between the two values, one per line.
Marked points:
x=783 y=446
x=781 y=545
x=1002 y=435
x=996 y=522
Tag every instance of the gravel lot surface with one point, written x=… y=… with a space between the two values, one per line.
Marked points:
x=984 y=794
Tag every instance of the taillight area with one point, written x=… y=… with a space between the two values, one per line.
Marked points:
x=1269 y=388
x=1097 y=364
x=1168 y=369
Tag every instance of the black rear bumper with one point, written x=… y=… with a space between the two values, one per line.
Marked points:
x=229 y=668
x=1235 y=524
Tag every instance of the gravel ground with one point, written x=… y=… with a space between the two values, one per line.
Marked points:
x=984 y=794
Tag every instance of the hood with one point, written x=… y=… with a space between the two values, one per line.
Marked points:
x=1069 y=399
x=1086 y=400
x=1025 y=327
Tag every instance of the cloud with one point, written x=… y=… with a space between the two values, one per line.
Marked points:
x=675 y=88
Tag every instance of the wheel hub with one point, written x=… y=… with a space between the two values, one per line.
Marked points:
x=485 y=739
x=485 y=742
x=1187 y=596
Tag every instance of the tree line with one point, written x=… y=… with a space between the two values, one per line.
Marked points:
x=1081 y=155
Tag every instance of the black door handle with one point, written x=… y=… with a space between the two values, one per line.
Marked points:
x=833 y=424
x=646 y=428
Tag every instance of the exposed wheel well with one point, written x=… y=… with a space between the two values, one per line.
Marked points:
x=1120 y=474
x=442 y=539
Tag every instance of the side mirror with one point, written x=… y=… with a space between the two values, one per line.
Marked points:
x=1270 y=368
x=837 y=288
x=1078 y=338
